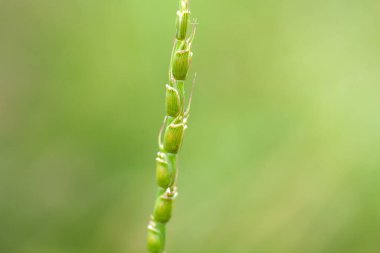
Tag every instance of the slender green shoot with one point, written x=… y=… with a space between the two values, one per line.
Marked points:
x=172 y=131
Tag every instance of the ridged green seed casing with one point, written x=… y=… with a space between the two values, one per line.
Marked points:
x=163 y=173
x=163 y=209
x=181 y=64
x=156 y=237
x=165 y=170
x=172 y=102
x=182 y=24
x=173 y=137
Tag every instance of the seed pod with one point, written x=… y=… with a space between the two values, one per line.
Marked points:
x=163 y=173
x=156 y=237
x=181 y=64
x=173 y=137
x=182 y=24
x=163 y=208
x=165 y=170
x=172 y=101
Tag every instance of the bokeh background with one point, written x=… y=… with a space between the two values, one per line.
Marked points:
x=282 y=154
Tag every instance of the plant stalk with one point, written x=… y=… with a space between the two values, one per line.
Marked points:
x=172 y=131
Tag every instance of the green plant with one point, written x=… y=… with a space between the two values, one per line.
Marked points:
x=172 y=132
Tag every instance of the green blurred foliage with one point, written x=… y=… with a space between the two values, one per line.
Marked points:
x=283 y=148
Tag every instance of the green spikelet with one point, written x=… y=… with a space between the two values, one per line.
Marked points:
x=173 y=137
x=172 y=101
x=182 y=24
x=156 y=237
x=181 y=64
x=165 y=169
x=163 y=173
x=163 y=207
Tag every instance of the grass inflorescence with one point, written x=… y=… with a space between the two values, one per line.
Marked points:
x=172 y=131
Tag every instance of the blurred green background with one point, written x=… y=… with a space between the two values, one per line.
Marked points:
x=282 y=154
